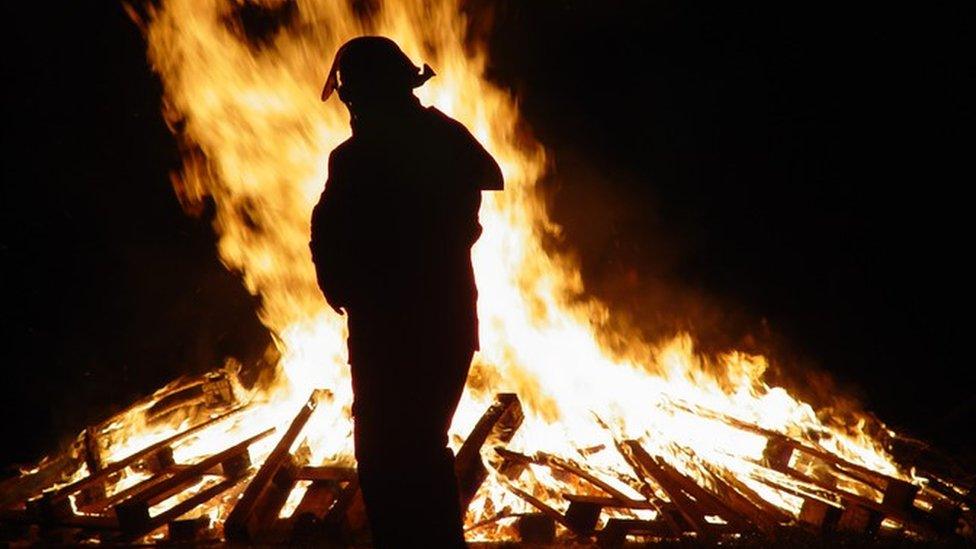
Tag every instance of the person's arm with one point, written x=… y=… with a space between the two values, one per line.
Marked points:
x=476 y=163
x=488 y=173
x=327 y=243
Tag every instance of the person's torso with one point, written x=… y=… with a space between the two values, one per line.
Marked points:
x=414 y=217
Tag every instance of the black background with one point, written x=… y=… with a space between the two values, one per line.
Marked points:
x=783 y=177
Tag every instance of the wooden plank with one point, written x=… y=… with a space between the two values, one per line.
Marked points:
x=864 y=514
x=813 y=491
x=304 y=528
x=900 y=495
x=318 y=499
x=732 y=481
x=135 y=524
x=346 y=521
x=861 y=513
x=819 y=515
x=943 y=516
x=93 y=522
x=263 y=525
x=138 y=455
x=158 y=461
x=187 y=530
x=48 y=509
x=584 y=511
x=497 y=425
x=583 y=514
x=571 y=467
x=190 y=503
x=780 y=441
x=89 y=522
x=204 y=465
x=548 y=460
x=92 y=451
x=326 y=472
x=667 y=510
x=48 y=473
x=708 y=501
x=537 y=503
x=777 y=453
x=689 y=510
x=239 y=525
x=610 y=502
x=536 y=528
x=614 y=534
x=511 y=467
x=849 y=498
x=766 y=517
x=347 y=499
x=187 y=396
x=859 y=519
x=944 y=489
x=121 y=495
x=133 y=513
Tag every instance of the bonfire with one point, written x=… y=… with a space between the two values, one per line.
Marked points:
x=570 y=431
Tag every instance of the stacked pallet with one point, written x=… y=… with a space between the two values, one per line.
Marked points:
x=285 y=500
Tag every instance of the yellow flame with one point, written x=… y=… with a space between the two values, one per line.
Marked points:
x=256 y=139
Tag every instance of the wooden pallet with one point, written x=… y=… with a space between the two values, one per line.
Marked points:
x=288 y=501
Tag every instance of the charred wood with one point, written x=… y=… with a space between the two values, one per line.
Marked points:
x=538 y=504
x=615 y=533
x=536 y=528
x=584 y=511
x=187 y=530
x=262 y=494
x=691 y=501
x=146 y=454
x=133 y=513
x=496 y=426
x=819 y=515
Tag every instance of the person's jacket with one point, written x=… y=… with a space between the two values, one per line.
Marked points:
x=399 y=214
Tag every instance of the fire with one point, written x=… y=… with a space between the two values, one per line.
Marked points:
x=256 y=138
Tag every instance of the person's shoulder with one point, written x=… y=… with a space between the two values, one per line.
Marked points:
x=343 y=150
x=446 y=123
x=469 y=151
x=345 y=154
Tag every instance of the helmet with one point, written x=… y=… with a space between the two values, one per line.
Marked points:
x=370 y=63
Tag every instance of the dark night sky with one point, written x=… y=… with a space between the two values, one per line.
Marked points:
x=795 y=173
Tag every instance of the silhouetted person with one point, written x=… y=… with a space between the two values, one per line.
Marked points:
x=391 y=241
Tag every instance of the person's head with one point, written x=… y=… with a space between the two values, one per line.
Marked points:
x=372 y=72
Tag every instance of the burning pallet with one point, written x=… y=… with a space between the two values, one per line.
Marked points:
x=286 y=500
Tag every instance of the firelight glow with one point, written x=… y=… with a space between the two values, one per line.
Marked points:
x=256 y=139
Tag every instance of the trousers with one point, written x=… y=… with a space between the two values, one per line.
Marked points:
x=407 y=381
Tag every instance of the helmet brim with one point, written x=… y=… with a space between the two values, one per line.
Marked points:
x=419 y=78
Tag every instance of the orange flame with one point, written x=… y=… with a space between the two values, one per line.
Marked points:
x=247 y=112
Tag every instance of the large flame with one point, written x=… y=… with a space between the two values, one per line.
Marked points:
x=244 y=103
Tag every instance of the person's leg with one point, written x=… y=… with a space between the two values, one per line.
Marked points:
x=406 y=470
x=446 y=368
x=380 y=421
x=381 y=479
